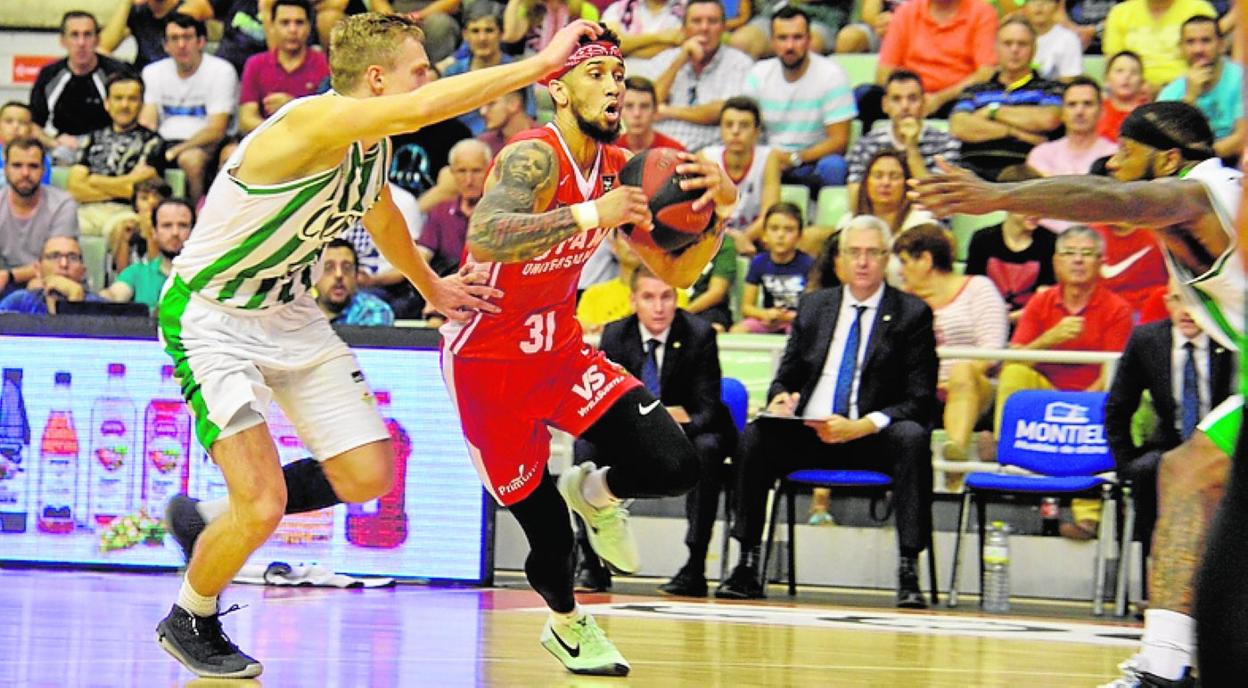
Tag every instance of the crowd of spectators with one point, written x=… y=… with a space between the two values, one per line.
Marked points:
x=996 y=88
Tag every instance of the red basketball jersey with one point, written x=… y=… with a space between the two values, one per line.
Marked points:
x=539 y=295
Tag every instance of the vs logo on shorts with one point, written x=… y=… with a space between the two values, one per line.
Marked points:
x=592 y=380
x=608 y=182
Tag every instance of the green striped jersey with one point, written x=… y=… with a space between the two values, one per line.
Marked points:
x=258 y=246
x=1215 y=299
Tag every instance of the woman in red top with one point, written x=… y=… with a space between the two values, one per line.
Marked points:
x=1124 y=91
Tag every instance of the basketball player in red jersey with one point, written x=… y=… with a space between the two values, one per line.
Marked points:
x=552 y=196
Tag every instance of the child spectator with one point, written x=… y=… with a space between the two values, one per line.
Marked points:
x=781 y=273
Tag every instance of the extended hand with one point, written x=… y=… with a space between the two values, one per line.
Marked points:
x=704 y=174
x=625 y=205
x=461 y=295
x=954 y=190
x=567 y=41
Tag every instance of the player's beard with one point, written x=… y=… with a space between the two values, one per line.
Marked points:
x=595 y=131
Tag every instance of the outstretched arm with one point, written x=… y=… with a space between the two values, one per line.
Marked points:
x=457 y=296
x=1076 y=198
x=314 y=136
x=505 y=226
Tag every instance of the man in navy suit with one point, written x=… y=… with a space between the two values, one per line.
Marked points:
x=1156 y=359
x=860 y=369
x=674 y=354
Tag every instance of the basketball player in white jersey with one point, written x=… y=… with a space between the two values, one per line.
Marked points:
x=237 y=318
x=1176 y=187
x=752 y=168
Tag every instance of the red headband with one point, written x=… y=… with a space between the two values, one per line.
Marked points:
x=586 y=52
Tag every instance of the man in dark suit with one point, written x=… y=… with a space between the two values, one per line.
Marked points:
x=1187 y=374
x=860 y=368
x=674 y=354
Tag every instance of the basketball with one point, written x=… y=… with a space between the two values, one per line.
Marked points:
x=676 y=223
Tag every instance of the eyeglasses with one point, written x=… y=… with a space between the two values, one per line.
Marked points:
x=1082 y=253
x=872 y=253
x=56 y=257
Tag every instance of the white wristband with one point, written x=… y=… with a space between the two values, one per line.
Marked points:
x=585 y=214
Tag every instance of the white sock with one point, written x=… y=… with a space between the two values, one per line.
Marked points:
x=212 y=509
x=595 y=489
x=566 y=619
x=195 y=603
x=1168 y=644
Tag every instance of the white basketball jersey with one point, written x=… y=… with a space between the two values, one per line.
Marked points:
x=257 y=246
x=1216 y=298
x=749 y=187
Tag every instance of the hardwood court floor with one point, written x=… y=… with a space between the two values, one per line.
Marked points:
x=72 y=628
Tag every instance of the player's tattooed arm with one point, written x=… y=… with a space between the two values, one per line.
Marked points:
x=504 y=226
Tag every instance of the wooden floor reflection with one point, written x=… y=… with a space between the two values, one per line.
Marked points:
x=69 y=629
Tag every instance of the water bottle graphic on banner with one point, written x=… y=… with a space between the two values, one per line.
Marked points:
x=15 y=474
x=166 y=446
x=309 y=527
x=113 y=469
x=58 y=463
x=382 y=522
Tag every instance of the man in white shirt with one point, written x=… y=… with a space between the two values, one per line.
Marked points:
x=700 y=75
x=189 y=99
x=807 y=104
x=1059 y=53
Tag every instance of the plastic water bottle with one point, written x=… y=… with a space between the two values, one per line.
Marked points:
x=113 y=468
x=15 y=475
x=996 y=593
x=58 y=463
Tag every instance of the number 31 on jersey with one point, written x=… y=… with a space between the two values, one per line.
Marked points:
x=541 y=332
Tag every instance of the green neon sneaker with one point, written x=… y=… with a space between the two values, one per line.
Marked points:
x=609 y=533
x=584 y=648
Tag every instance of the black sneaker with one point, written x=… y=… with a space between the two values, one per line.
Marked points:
x=686 y=583
x=742 y=584
x=183 y=521
x=592 y=579
x=201 y=646
x=909 y=595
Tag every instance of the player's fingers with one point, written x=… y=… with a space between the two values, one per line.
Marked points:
x=707 y=199
x=483 y=291
x=476 y=304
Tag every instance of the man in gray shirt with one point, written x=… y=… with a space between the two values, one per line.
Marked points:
x=701 y=74
x=30 y=212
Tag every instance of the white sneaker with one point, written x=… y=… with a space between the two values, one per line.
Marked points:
x=609 y=533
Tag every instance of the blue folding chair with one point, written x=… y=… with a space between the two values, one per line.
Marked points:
x=1059 y=438
x=868 y=481
x=737 y=398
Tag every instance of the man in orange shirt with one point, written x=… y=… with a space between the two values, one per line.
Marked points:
x=948 y=43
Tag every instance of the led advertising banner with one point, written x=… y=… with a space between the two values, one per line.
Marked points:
x=95 y=438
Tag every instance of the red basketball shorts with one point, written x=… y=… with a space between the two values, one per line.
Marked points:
x=505 y=407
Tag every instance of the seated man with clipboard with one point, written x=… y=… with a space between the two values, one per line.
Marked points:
x=856 y=389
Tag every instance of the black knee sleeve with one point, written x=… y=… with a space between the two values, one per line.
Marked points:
x=648 y=453
x=307 y=488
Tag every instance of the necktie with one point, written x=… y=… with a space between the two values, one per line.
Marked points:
x=650 y=369
x=849 y=364
x=1191 y=393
